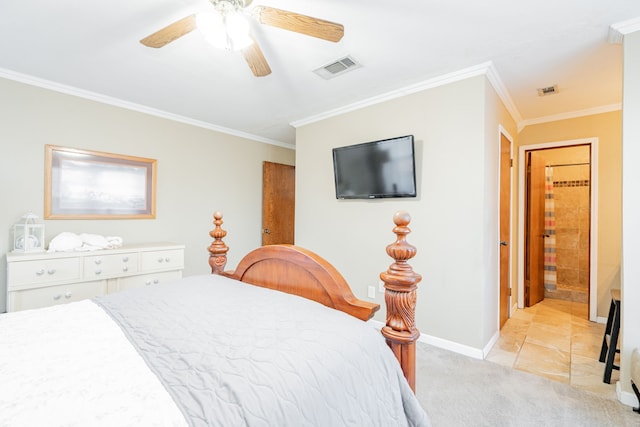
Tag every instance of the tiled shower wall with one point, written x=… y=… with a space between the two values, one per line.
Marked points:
x=571 y=196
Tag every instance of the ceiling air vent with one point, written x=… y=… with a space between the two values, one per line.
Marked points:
x=549 y=90
x=337 y=68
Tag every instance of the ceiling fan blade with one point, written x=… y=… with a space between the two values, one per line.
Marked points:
x=256 y=60
x=303 y=24
x=171 y=32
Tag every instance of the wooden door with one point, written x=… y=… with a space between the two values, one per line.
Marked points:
x=278 y=203
x=534 y=244
x=505 y=227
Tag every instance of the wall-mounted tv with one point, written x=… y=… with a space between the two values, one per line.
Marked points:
x=376 y=169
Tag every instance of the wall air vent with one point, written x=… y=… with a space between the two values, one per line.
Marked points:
x=337 y=68
x=549 y=90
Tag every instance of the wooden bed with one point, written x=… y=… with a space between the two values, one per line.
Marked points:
x=295 y=270
x=214 y=350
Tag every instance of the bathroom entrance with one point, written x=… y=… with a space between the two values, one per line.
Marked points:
x=557 y=235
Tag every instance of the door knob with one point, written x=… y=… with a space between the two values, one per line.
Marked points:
x=267 y=231
x=503 y=243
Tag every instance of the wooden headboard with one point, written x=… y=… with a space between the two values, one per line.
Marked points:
x=298 y=271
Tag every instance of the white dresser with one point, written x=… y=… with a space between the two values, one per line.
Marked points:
x=42 y=279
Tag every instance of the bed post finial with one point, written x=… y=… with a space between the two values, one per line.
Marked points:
x=400 y=283
x=218 y=249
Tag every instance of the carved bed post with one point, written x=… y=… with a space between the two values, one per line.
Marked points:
x=400 y=297
x=218 y=249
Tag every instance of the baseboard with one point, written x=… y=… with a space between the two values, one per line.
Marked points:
x=626 y=397
x=442 y=343
x=601 y=320
x=465 y=350
x=487 y=348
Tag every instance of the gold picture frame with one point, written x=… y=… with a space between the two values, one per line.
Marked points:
x=83 y=184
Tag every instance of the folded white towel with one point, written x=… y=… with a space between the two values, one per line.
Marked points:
x=114 y=241
x=69 y=242
x=65 y=242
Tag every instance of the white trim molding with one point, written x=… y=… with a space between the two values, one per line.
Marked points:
x=507 y=135
x=104 y=99
x=625 y=397
x=569 y=115
x=593 y=254
x=486 y=68
x=618 y=30
x=446 y=344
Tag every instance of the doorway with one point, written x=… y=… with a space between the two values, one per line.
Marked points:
x=558 y=212
x=278 y=203
x=505 y=178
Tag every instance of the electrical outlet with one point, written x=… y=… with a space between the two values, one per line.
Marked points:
x=372 y=292
x=380 y=286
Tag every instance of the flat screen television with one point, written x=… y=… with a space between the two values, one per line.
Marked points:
x=376 y=169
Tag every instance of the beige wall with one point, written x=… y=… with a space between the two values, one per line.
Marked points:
x=607 y=127
x=631 y=208
x=199 y=171
x=454 y=217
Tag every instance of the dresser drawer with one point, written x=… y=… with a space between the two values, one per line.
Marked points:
x=42 y=271
x=47 y=278
x=114 y=265
x=147 y=280
x=54 y=295
x=162 y=260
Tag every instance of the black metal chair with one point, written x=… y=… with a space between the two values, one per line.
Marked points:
x=610 y=340
x=635 y=375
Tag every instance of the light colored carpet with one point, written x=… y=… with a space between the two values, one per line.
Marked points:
x=456 y=390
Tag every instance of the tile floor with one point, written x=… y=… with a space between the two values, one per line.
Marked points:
x=555 y=339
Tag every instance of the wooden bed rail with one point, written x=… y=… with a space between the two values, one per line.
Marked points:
x=401 y=283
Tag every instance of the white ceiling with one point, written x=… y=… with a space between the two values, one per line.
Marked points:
x=92 y=48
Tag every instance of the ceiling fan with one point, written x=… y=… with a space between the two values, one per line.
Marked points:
x=227 y=26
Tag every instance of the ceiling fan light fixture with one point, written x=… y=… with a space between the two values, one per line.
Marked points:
x=228 y=31
x=237 y=28
x=226 y=27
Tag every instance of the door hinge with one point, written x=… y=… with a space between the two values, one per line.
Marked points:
x=509 y=291
x=510 y=162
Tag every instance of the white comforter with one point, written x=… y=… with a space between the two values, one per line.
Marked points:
x=73 y=365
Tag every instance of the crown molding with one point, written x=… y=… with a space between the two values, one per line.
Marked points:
x=618 y=30
x=103 y=99
x=503 y=93
x=569 y=115
x=486 y=68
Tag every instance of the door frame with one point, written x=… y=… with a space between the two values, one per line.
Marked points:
x=503 y=132
x=593 y=220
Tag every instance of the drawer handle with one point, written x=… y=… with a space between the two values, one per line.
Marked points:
x=98 y=272
x=125 y=259
x=148 y=282
x=98 y=261
x=125 y=268
x=67 y=295
x=51 y=271
x=167 y=259
x=160 y=259
x=57 y=297
x=40 y=272
x=156 y=281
